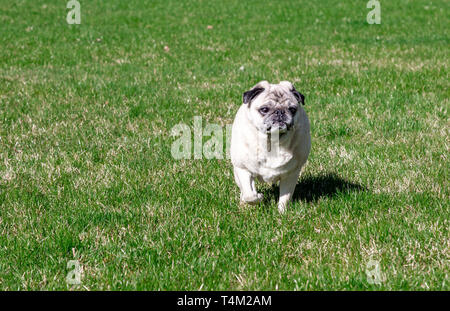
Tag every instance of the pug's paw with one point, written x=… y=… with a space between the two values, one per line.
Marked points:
x=253 y=199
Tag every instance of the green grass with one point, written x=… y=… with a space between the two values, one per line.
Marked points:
x=86 y=172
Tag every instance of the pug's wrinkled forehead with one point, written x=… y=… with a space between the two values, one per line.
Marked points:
x=277 y=93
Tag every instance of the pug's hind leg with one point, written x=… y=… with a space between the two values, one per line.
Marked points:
x=246 y=184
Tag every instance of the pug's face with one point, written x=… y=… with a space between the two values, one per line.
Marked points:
x=273 y=108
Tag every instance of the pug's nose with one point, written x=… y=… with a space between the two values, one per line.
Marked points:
x=279 y=115
x=279 y=112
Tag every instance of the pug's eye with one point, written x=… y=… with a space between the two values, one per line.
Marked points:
x=293 y=110
x=264 y=110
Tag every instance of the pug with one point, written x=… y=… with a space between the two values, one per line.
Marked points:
x=270 y=140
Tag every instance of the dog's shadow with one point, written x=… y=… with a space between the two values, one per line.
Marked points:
x=312 y=188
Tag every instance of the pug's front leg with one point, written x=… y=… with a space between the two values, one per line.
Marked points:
x=287 y=187
x=246 y=184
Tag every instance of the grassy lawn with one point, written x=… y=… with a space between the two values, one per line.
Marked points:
x=86 y=171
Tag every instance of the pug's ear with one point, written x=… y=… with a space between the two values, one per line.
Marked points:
x=300 y=97
x=250 y=95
